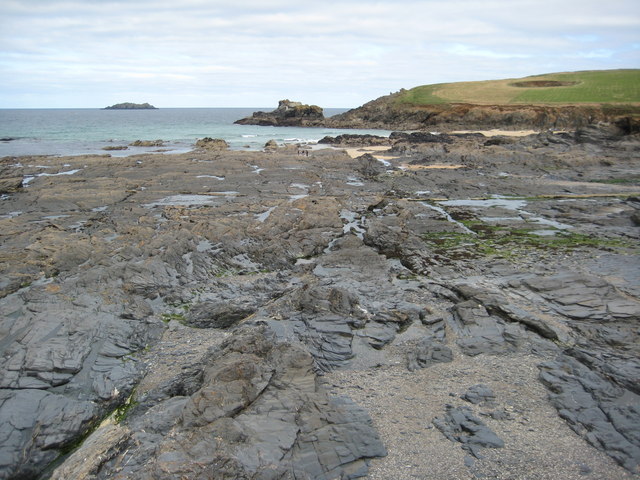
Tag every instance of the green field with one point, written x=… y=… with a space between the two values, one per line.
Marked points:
x=604 y=86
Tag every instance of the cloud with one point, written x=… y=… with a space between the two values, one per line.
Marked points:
x=471 y=51
x=332 y=53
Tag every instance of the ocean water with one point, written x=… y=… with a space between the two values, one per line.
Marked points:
x=89 y=131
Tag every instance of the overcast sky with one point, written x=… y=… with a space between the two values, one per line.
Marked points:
x=252 y=53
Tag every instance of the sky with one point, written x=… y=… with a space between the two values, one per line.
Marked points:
x=253 y=53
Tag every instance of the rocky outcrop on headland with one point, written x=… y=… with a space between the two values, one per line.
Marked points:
x=288 y=114
x=462 y=308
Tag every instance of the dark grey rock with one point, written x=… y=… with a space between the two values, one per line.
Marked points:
x=35 y=426
x=427 y=353
x=477 y=394
x=606 y=415
x=497 y=304
x=370 y=166
x=219 y=314
x=259 y=413
x=460 y=425
x=481 y=332
x=355 y=140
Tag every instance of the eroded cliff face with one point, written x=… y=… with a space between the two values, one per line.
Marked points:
x=387 y=113
x=261 y=315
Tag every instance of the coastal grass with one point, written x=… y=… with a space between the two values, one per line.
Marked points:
x=587 y=87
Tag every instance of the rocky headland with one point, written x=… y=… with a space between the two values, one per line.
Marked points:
x=420 y=306
x=388 y=113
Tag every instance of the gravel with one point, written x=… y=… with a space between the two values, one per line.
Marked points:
x=538 y=444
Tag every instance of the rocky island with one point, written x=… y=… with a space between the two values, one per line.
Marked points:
x=288 y=114
x=131 y=106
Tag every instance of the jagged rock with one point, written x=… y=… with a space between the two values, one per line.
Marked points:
x=36 y=425
x=212 y=143
x=419 y=137
x=597 y=134
x=428 y=353
x=369 y=166
x=481 y=332
x=459 y=424
x=606 y=415
x=212 y=314
x=271 y=145
x=584 y=297
x=348 y=139
x=259 y=412
x=10 y=185
x=479 y=394
x=499 y=140
x=497 y=304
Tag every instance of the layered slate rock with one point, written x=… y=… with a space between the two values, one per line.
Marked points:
x=459 y=424
x=259 y=412
x=192 y=306
x=605 y=414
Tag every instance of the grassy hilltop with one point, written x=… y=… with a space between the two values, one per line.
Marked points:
x=587 y=87
x=556 y=100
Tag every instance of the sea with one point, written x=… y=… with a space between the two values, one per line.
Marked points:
x=96 y=131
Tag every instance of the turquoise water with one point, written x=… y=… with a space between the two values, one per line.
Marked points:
x=88 y=131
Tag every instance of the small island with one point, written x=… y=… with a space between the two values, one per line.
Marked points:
x=131 y=106
x=288 y=114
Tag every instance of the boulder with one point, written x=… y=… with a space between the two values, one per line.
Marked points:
x=459 y=424
x=271 y=145
x=209 y=143
x=10 y=185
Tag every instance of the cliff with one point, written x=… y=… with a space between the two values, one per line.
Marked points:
x=388 y=113
x=565 y=100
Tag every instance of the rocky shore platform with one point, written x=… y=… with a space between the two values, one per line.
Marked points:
x=436 y=307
